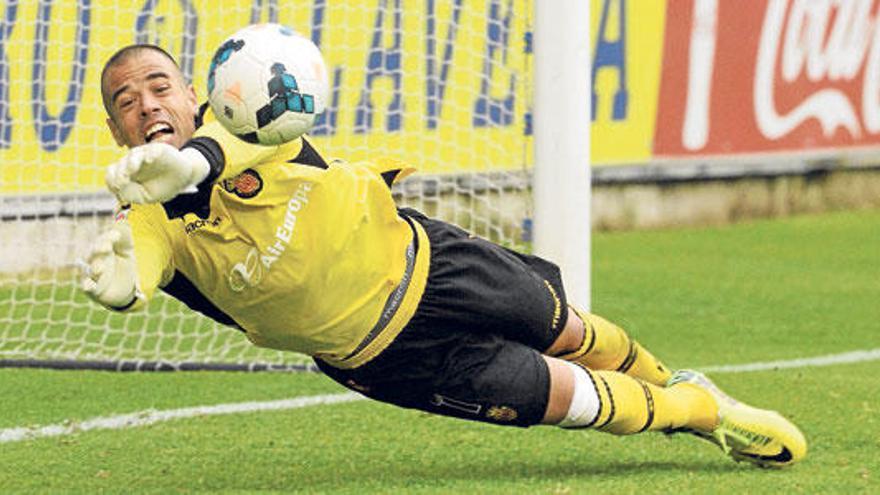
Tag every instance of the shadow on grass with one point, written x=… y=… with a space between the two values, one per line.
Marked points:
x=479 y=474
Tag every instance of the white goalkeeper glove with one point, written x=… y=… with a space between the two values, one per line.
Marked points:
x=110 y=274
x=156 y=172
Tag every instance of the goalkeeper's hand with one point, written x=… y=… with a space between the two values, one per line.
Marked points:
x=110 y=274
x=155 y=173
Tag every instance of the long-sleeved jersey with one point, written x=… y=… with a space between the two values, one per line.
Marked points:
x=301 y=254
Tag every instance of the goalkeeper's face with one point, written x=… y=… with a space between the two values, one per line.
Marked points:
x=149 y=101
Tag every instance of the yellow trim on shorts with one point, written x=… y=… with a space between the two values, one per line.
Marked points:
x=404 y=312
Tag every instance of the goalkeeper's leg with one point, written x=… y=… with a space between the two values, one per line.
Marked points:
x=598 y=344
x=616 y=403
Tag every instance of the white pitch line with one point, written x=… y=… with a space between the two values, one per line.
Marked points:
x=813 y=362
x=144 y=418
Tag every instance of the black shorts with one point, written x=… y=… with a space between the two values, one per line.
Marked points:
x=473 y=347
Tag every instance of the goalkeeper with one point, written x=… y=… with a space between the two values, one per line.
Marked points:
x=312 y=255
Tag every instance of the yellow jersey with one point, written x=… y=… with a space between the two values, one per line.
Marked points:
x=302 y=254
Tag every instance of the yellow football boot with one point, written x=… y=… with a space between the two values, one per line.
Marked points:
x=747 y=433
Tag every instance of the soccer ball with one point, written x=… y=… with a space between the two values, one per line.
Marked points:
x=267 y=84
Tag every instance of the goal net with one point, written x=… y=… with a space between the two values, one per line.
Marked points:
x=444 y=86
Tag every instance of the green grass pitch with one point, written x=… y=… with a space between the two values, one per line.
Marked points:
x=753 y=292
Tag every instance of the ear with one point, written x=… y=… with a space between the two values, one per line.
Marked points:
x=192 y=97
x=114 y=129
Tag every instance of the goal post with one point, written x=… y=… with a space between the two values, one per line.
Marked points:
x=561 y=185
x=449 y=87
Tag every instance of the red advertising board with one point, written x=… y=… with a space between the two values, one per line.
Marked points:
x=768 y=75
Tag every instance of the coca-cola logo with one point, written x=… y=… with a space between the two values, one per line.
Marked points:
x=815 y=61
x=824 y=41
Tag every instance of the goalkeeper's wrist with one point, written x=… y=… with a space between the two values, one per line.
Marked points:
x=211 y=151
x=200 y=168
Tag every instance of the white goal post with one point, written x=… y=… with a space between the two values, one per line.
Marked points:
x=450 y=87
x=561 y=184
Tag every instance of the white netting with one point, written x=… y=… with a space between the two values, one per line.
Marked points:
x=442 y=85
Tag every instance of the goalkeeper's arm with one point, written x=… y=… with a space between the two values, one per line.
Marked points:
x=158 y=172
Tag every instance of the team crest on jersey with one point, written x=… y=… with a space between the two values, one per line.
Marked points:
x=244 y=185
x=501 y=413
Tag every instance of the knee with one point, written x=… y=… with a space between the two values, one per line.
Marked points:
x=571 y=337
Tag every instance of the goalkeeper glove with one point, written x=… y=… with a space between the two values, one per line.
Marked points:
x=156 y=172
x=110 y=275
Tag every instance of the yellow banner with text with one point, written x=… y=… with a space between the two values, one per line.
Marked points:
x=445 y=86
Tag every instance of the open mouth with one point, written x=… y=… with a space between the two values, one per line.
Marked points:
x=156 y=130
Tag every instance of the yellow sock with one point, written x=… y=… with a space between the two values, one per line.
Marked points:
x=606 y=346
x=628 y=405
